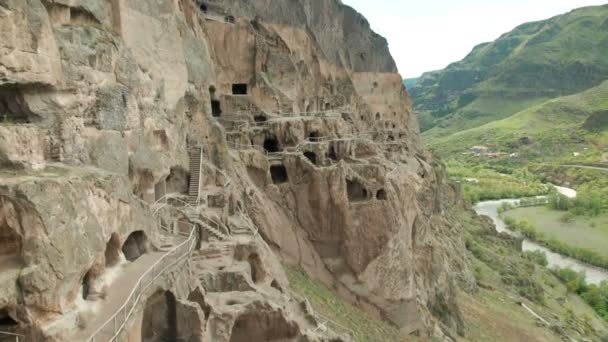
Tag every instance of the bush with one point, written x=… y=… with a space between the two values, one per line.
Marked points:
x=537 y=257
x=595 y=295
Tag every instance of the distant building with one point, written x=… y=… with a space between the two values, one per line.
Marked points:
x=479 y=149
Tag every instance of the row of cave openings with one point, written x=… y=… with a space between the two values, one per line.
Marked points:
x=238 y=89
x=356 y=192
x=132 y=249
x=163 y=321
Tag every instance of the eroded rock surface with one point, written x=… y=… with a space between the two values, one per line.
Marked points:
x=310 y=156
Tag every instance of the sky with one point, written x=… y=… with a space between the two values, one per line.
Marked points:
x=426 y=35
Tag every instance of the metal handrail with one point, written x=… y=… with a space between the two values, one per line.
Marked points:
x=184 y=249
x=16 y=336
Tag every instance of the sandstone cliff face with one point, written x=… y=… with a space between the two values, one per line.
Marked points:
x=307 y=135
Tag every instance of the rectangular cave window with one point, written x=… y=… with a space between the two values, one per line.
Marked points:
x=355 y=191
x=216 y=108
x=279 y=174
x=239 y=89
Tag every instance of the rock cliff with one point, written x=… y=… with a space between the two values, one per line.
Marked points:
x=183 y=150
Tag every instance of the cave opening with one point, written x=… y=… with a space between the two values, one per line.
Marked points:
x=381 y=195
x=10 y=241
x=257 y=271
x=271 y=144
x=377 y=116
x=355 y=191
x=311 y=156
x=260 y=118
x=216 y=108
x=391 y=137
x=279 y=174
x=332 y=153
x=6 y=321
x=204 y=8
x=314 y=136
x=135 y=245
x=327 y=106
x=160 y=318
x=112 y=253
x=229 y=19
x=14 y=109
x=239 y=88
x=86 y=285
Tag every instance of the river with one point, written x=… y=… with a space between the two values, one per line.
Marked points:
x=595 y=275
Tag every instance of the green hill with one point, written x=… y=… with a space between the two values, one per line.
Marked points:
x=535 y=62
x=557 y=128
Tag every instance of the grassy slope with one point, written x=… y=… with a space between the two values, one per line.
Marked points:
x=328 y=304
x=578 y=233
x=555 y=126
x=534 y=62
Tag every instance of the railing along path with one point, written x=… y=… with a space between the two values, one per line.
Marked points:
x=118 y=322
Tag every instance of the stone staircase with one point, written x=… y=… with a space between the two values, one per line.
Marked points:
x=196 y=155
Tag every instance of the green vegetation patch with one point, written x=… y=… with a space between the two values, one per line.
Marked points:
x=533 y=233
x=481 y=183
x=328 y=304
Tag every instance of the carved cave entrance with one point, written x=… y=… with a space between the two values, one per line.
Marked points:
x=279 y=174
x=160 y=318
x=311 y=156
x=112 y=253
x=271 y=144
x=7 y=323
x=13 y=108
x=260 y=118
x=314 y=136
x=381 y=195
x=216 y=107
x=239 y=88
x=10 y=245
x=356 y=192
x=135 y=245
x=257 y=271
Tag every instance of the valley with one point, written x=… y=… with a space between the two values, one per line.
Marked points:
x=519 y=114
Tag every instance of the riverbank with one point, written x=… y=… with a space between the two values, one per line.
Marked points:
x=580 y=231
x=594 y=275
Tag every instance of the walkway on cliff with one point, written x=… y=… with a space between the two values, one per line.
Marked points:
x=117 y=294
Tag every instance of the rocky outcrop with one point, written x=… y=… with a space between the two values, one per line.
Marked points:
x=308 y=140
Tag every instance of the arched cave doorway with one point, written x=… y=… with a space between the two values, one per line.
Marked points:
x=113 y=254
x=10 y=243
x=381 y=195
x=271 y=144
x=355 y=191
x=160 y=318
x=311 y=156
x=378 y=116
x=279 y=174
x=135 y=245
